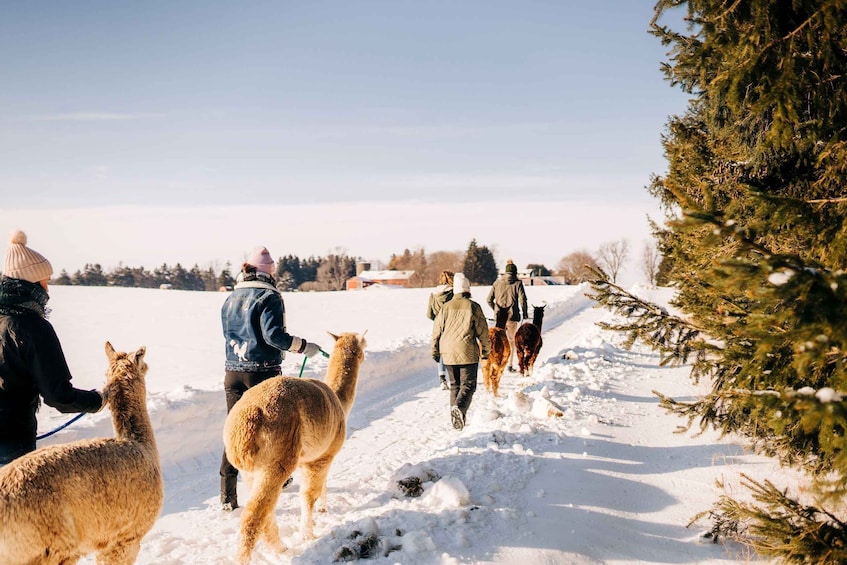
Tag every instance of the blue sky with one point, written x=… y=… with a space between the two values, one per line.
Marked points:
x=214 y=103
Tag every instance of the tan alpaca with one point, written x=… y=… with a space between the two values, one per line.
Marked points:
x=498 y=358
x=288 y=422
x=62 y=502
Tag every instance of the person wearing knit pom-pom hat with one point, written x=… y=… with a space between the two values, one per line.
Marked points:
x=508 y=292
x=256 y=339
x=460 y=339
x=32 y=363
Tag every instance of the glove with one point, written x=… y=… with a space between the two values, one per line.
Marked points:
x=436 y=357
x=104 y=400
x=311 y=349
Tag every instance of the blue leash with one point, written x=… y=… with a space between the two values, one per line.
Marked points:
x=62 y=427
x=81 y=414
x=303 y=366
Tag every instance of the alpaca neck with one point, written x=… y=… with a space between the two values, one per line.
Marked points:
x=537 y=318
x=342 y=381
x=130 y=418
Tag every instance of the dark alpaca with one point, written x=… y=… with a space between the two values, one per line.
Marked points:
x=492 y=368
x=528 y=341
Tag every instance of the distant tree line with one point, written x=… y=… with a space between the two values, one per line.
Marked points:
x=333 y=271
x=92 y=274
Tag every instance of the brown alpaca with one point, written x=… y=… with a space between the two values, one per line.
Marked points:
x=100 y=496
x=498 y=358
x=528 y=341
x=284 y=423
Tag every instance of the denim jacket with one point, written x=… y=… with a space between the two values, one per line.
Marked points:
x=253 y=320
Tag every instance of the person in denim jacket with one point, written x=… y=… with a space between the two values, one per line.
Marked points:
x=256 y=339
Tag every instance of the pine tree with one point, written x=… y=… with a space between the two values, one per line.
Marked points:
x=756 y=242
x=479 y=265
x=225 y=278
x=62 y=279
x=122 y=276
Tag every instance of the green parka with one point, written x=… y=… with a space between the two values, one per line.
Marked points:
x=440 y=296
x=459 y=332
x=508 y=292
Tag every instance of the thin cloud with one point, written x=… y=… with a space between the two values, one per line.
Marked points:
x=91 y=117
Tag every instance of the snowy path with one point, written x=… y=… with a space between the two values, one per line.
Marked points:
x=608 y=482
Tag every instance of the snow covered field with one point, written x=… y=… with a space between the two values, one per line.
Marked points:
x=607 y=482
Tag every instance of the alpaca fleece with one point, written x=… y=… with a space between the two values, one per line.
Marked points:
x=284 y=423
x=100 y=496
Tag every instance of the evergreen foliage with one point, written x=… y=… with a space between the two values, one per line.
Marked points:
x=479 y=265
x=539 y=270
x=755 y=244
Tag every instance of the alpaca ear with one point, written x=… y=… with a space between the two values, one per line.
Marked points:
x=110 y=351
x=362 y=342
x=333 y=336
x=138 y=355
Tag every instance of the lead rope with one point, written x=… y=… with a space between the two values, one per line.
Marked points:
x=62 y=427
x=81 y=414
x=303 y=366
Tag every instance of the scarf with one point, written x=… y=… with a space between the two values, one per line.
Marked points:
x=255 y=279
x=19 y=297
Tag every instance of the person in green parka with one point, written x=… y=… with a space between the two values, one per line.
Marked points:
x=460 y=339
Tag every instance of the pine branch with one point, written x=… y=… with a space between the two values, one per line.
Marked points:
x=826 y=200
x=779 y=526
x=674 y=338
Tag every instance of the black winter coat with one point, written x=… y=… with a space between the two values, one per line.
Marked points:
x=32 y=364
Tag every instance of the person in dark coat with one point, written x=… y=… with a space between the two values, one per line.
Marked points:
x=460 y=339
x=443 y=293
x=508 y=292
x=32 y=363
x=256 y=339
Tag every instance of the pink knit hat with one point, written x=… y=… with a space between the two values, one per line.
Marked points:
x=24 y=263
x=261 y=259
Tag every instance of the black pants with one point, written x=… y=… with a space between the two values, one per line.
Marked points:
x=236 y=384
x=9 y=451
x=462 y=385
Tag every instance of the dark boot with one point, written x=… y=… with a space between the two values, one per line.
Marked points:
x=444 y=385
x=229 y=496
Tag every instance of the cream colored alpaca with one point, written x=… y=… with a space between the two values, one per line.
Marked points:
x=284 y=423
x=62 y=502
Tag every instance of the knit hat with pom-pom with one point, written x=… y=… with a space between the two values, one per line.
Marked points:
x=24 y=263
x=510 y=267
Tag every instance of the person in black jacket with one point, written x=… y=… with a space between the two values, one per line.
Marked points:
x=508 y=293
x=32 y=364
